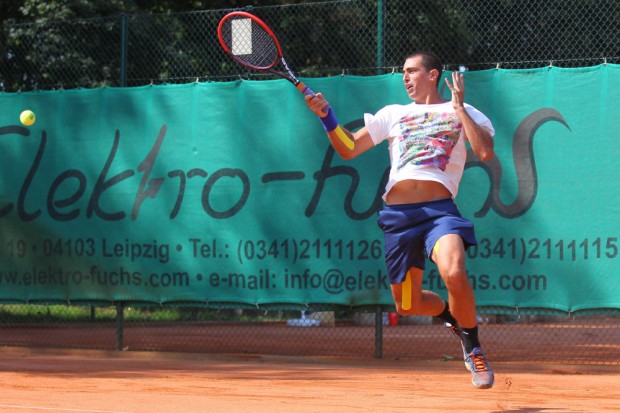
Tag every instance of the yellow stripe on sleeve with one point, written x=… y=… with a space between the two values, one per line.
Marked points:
x=406 y=292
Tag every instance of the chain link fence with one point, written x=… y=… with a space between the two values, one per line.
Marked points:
x=508 y=334
x=319 y=39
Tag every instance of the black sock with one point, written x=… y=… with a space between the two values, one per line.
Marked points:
x=447 y=316
x=470 y=338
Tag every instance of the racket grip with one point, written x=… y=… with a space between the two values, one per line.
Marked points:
x=304 y=89
x=329 y=122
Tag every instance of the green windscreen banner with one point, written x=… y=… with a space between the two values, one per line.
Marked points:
x=230 y=193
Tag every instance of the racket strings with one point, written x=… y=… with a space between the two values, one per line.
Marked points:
x=249 y=43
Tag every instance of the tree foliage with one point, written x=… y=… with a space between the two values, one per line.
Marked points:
x=69 y=43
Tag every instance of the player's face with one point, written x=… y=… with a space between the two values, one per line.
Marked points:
x=419 y=82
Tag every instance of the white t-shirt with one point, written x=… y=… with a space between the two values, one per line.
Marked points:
x=425 y=141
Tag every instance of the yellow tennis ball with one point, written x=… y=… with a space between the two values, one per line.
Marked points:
x=27 y=117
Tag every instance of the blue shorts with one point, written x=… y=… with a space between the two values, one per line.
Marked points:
x=412 y=230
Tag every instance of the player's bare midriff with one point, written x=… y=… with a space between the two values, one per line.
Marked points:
x=412 y=191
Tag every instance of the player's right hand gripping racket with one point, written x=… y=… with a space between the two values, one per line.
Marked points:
x=251 y=43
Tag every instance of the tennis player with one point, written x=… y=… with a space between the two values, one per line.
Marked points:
x=426 y=143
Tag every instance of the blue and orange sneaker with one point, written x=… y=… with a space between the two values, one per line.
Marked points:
x=481 y=374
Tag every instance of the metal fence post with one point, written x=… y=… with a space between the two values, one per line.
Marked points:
x=120 y=306
x=123 y=67
x=379 y=332
x=380 y=37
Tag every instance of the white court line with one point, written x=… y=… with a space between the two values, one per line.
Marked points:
x=56 y=409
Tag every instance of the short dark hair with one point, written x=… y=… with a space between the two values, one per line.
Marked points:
x=430 y=61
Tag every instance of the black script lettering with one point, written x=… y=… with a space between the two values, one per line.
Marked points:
x=152 y=185
x=328 y=171
x=183 y=181
x=21 y=211
x=524 y=163
x=103 y=185
x=53 y=205
x=231 y=173
x=7 y=130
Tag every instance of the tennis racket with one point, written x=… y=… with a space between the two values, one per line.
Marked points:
x=248 y=40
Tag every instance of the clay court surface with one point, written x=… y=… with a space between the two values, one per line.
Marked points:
x=42 y=380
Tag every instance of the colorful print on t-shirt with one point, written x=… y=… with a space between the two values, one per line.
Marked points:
x=427 y=139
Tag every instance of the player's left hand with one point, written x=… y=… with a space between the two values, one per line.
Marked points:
x=457 y=87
